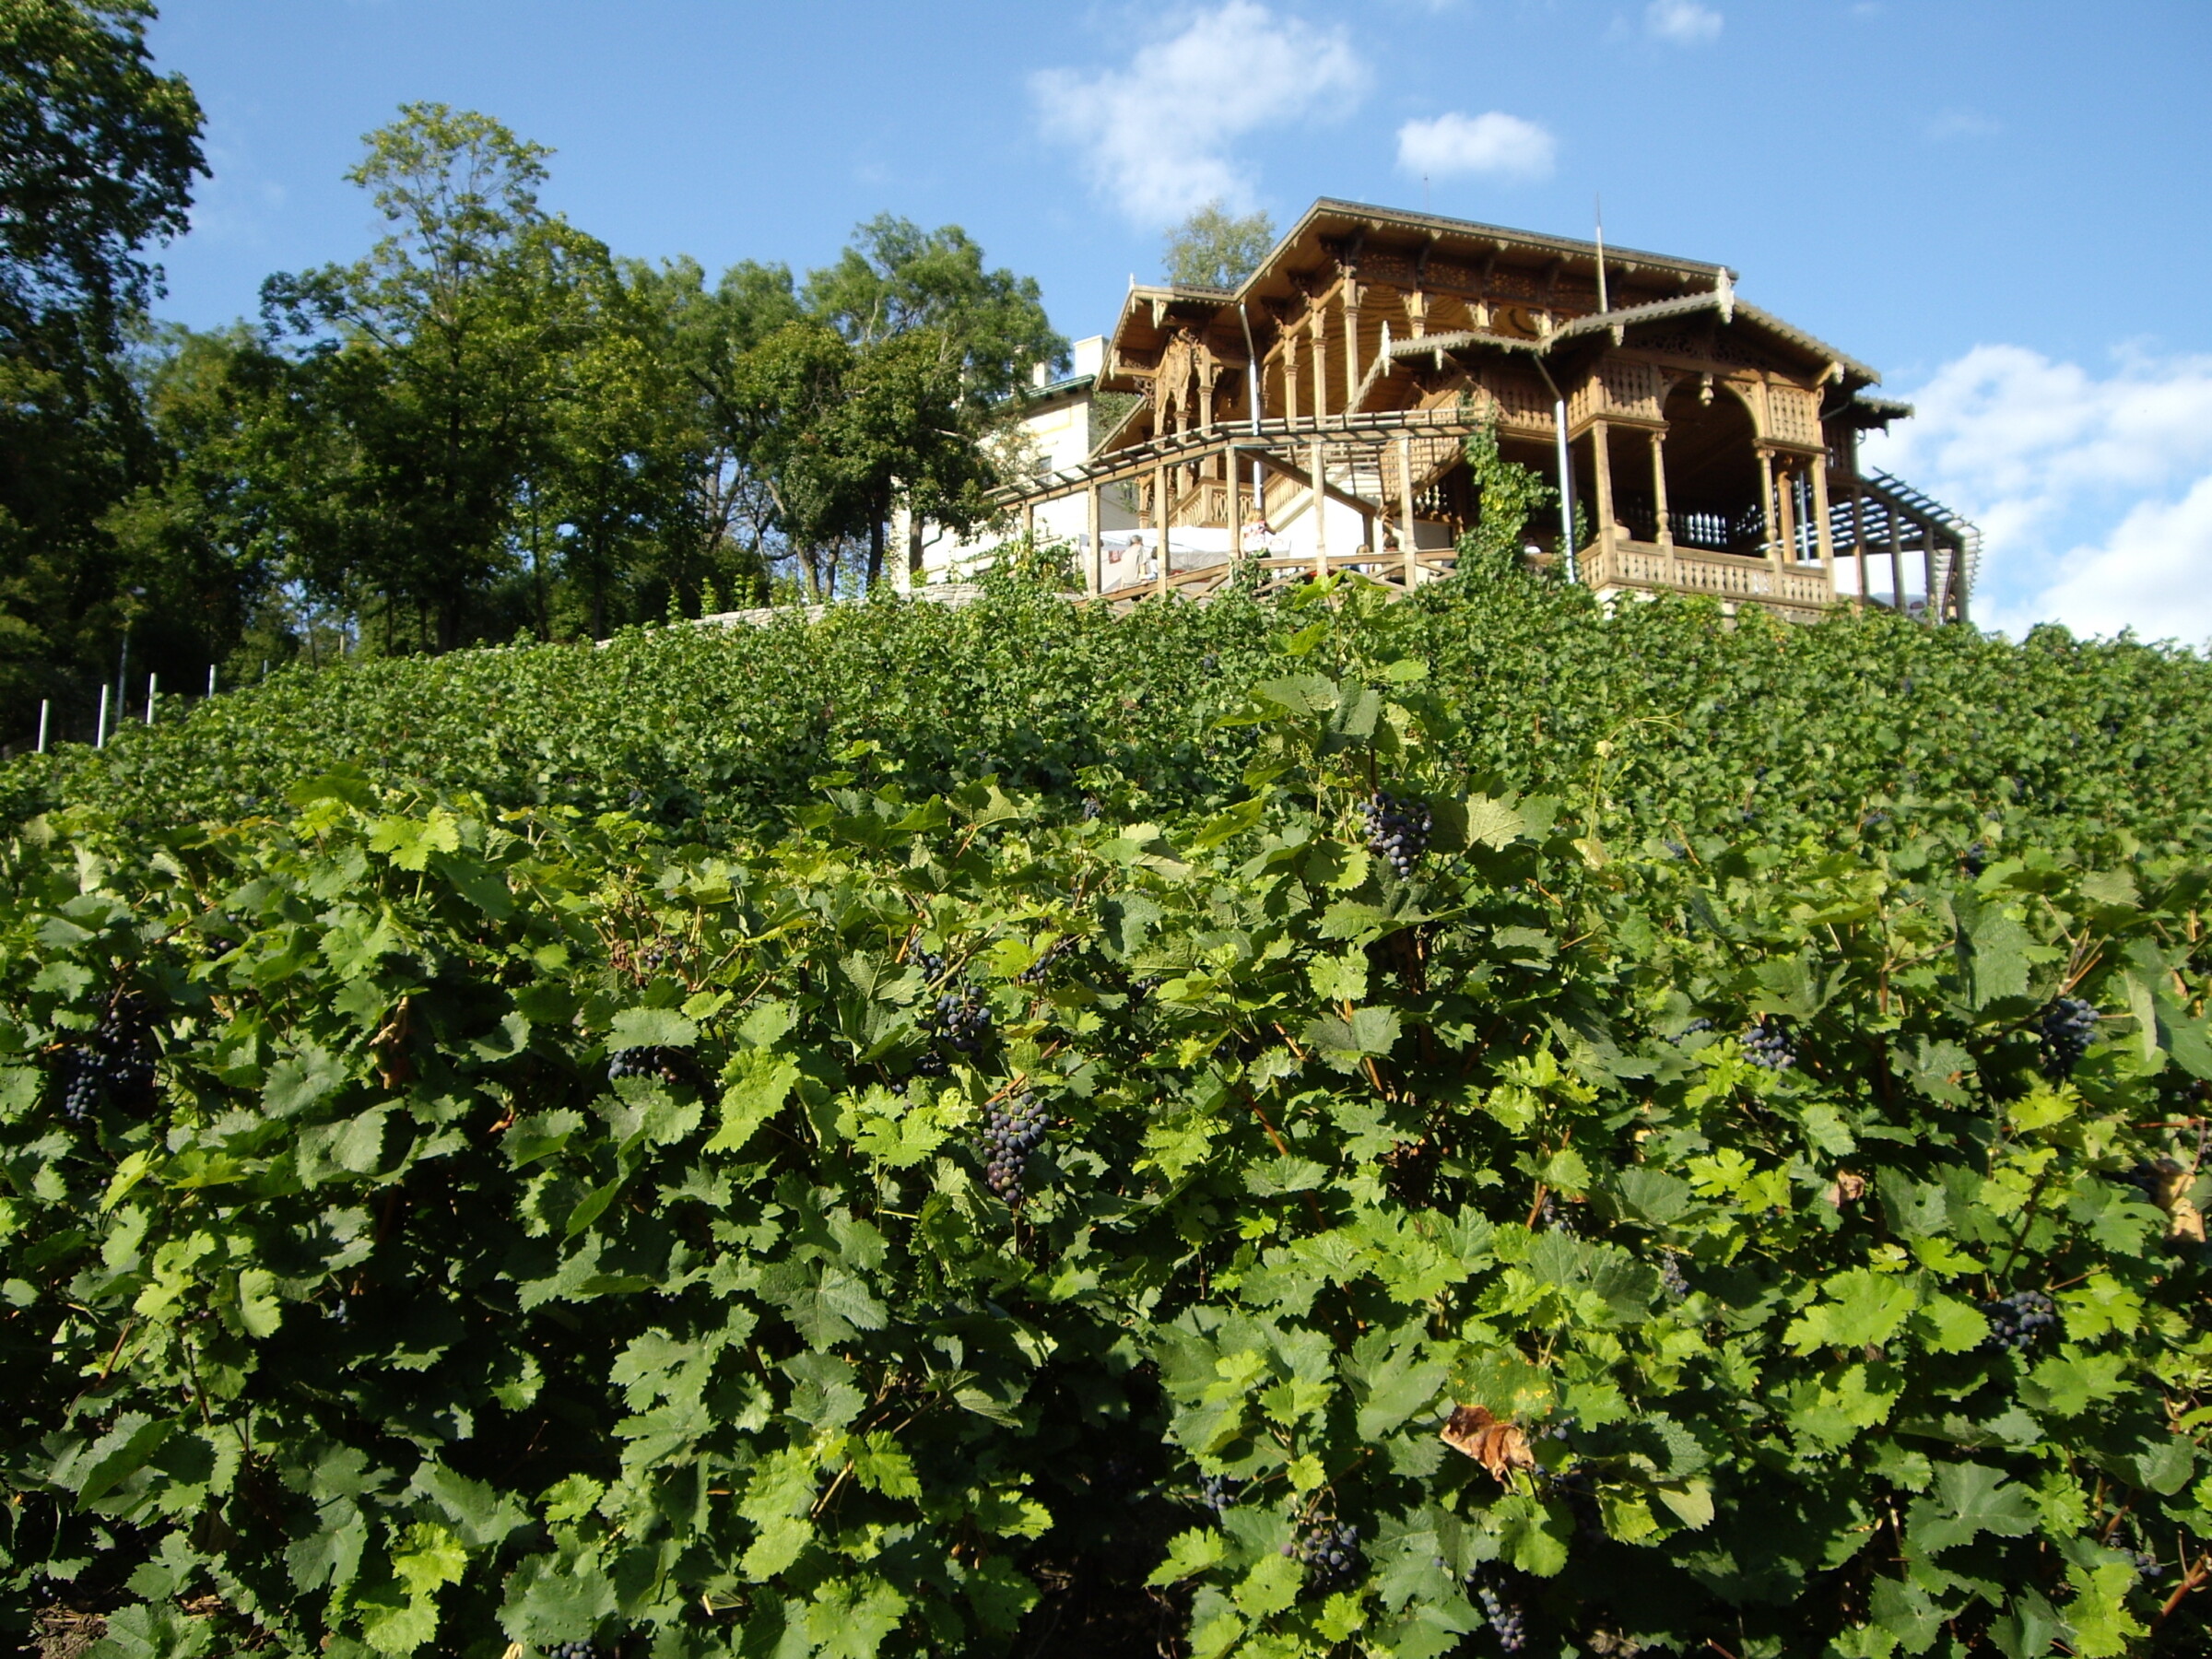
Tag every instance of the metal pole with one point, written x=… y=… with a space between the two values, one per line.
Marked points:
x=1559 y=425
x=211 y=679
x=153 y=691
x=100 y=738
x=45 y=708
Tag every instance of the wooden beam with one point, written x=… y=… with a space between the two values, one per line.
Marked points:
x=1823 y=536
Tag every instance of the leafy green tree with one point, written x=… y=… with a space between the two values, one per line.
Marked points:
x=98 y=154
x=438 y=357
x=1215 y=248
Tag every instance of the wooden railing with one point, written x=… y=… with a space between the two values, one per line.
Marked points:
x=1634 y=564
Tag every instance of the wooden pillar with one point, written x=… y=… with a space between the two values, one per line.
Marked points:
x=1765 y=508
x=1236 y=505
x=1417 y=313
x=1028 y=524
x=1290 y=375
x=1352 y=295
x=1321 y=512
x=1897 y=557
x=1407 y=552
x=1662 y=529
x=1094 y=563
x=1823 y=534
x=1321 y=365
x=1601 y=462
x=1858 y=536
x=1162 y=510
x=1927 y=580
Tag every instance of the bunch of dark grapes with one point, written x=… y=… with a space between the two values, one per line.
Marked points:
x=573 y=1650
x=1397 y=829
x=641 y=1063
x=931 y=964
x=1975 y=858
x=2014 y=1320
x=1092 y=806
x=1690 y=1031
x=2147 y=1567
x=2064 y=1031
x=114 y=1064
x=1330 y=1550
x=962 y=1019
x=1766 y=1043
x=1672 y=1277
x=1505 y=1620
x=1034 y=973
x=1218 y=1492
x=1011 y=1133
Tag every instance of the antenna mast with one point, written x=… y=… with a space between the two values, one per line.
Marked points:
x=1602 y=305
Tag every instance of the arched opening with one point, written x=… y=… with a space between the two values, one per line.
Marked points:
x=1712 y=473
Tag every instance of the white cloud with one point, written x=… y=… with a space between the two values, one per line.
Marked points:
x=2094 y=491
x=1502 y=145
x=1684 y=22
x=1156 y=136
x=1962 y=124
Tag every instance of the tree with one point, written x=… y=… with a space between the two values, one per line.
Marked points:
x=1215 y=248
x=98 y=154
x=894 y=277
x=438 y=356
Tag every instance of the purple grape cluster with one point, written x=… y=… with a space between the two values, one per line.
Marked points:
x=1397 y=829
x=641 y=1063
x=1220 y=1492
x=1505 y=1620
x=114 y=1066
x=1034 y=973
x=1011 y=1134
x=1671 y=1277
x=1766 y=1043
x=573 y=1650
x=1330 y=1550
x=2064 y=1032
x=2016 y=1320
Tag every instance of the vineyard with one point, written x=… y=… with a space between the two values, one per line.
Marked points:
x=1462 y=1126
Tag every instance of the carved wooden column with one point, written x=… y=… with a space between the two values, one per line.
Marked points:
x=1406 y=548
x=1290 y=375
x=1236 y=515
x=1601 y=463
x=1319 y=325
x=1321 y=507
x=1094 y=562
x=1663 y=528
x=1417 y=313
x=1162 y=510
x=1354 y=294
x=1823 y=533
x=1766 y=510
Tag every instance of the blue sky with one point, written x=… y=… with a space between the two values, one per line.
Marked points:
x=2000 y=204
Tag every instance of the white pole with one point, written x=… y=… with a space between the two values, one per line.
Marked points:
x=211 y=679
x=153 y=691
x=45 y=708
x=100 y=738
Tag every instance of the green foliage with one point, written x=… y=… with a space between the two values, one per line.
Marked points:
x=1507 y=496
x=98 y=154
x=1215 y=248
x=393 y=1325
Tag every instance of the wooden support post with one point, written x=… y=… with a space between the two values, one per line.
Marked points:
x=1897 y=558
x=1601 y=463
x=1858 y=536
x=1824 y=536
x=1290 y=375
x=1321 y=365
x=1934 y=611
x=1351 y=345
x=1163 y=508
x=1094 y=561
x=1408 y=551
x=1766 y=509
x=1028 y=525
x=1321 y=511
x=1236 y=504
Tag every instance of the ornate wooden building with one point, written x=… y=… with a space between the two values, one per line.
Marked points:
x=1315 y=418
